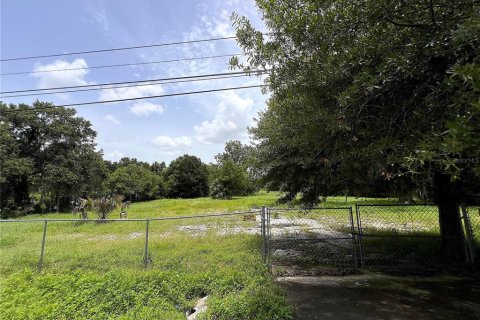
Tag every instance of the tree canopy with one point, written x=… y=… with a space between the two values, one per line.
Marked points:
x=233 y=173
x=47 y=150
x=368 y=90
x=187 y=177
x=135 y=182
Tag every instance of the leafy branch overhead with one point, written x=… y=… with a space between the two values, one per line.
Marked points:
x=365 y=88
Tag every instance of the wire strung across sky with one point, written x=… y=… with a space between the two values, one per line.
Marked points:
x=133 y=99
x=136 y=81
x=122 y=86
x=117 y=49
x=122 y=64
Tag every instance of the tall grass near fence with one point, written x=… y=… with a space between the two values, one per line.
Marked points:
x=99 y=270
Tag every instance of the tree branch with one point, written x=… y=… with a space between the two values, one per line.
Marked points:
x=432 y=12
x=407 y=25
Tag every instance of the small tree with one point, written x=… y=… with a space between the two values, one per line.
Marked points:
x=105 y=205
x=229 y=179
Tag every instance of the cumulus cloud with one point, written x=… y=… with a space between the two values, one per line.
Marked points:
x=112 y=119
x=115 y=155
x=61 y=78
x=131 y=92
x=233 y=116
x=168 y=143
x=146 y=108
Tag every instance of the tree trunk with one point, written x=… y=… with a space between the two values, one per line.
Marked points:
x=21 y=191
x=446 y=195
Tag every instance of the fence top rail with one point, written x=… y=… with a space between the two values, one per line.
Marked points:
x=396 y=205
x=310 y=209
x=144 y=219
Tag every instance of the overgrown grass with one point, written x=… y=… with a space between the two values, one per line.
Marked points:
x=97 y=270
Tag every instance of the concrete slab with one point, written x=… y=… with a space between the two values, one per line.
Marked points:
x=379 y=296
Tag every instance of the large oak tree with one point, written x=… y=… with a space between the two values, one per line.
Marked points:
x=47 y=151
x=363 y=90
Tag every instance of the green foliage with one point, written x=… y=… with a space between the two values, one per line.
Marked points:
x=234 y=174
x=88 y=275
x=105 y=205
x=135 y=182
x=229 y=179
x=139 y=295
x=48 y=151
x=365 y=91
x=186 y=177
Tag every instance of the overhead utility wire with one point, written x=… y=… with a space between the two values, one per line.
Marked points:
x=118 y=87
x=137 y=81
x=118 y=49
x=122 y=64
x=138 y=98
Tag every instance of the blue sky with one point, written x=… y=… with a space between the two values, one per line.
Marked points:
x=149 y=130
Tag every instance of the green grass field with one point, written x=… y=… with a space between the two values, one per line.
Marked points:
x=97 y=270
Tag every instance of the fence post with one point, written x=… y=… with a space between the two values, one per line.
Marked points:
x=360 y=240
x=40 y=262
x=354 y=242
x=146 y=259
x=264 y=256
x=268 y=240
x=469 y=235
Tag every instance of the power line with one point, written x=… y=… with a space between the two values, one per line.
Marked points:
x=137 y=81
x=138 y=98
x=118 y=49
x=161 y=96
x=122 y=64
x=118 y=87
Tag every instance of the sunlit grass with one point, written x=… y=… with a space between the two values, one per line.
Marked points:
x=95 y=270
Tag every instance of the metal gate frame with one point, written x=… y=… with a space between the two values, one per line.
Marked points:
x=267 y=235
x=356 y=232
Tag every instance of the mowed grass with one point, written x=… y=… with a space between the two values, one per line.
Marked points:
x=97 y=270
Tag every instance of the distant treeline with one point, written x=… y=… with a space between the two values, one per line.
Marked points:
x=48 y=159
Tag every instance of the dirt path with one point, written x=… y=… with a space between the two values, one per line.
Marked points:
x=377 y=296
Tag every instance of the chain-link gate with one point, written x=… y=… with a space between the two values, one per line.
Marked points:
x=408 y=236
x=313 y=241
x=471 y=223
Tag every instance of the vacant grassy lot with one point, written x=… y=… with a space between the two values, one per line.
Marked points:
x=97 y=270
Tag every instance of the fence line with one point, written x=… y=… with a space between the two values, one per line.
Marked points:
x=141 y=219
x=89 y=239
x=383 y=234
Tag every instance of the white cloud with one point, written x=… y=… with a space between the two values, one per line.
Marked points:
x=61 y=78
x=131 y=92
x=146 y=108
x=114 y=156
x=101 y=17
x=168 y=143
x=112 y=119
x=233 y=116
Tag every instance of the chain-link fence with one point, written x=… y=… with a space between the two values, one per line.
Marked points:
x=291 y=241
x=471 y=218
x=317 y=240
x=176 y=242
x=400 y=235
